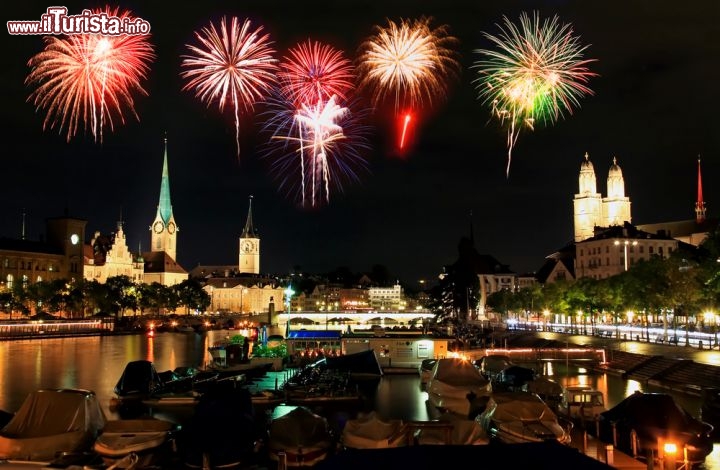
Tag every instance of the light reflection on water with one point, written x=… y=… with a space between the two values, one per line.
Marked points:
x=96 y=363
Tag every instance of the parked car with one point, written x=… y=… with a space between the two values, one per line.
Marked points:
x=654 y=417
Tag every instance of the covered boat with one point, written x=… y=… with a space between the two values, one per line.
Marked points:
x=454 y=384
x=642 y=420
x=358 y=365
x=51 y=422
x=302 y=436
x=521 y=417
x=149 y=439
x=370 y=431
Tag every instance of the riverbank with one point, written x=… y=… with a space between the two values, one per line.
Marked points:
x=670 y=367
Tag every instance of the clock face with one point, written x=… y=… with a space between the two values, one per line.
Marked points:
x=74 y=239
x=247 y=247
x=158 y=227
x=171 y=227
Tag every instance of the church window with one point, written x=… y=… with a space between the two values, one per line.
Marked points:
x=650 y=250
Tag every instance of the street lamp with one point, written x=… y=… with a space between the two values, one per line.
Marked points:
x=625 y=248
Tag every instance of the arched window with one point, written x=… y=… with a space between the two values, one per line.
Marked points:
x=9 y=280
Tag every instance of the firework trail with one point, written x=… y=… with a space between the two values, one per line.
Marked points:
x=88 y=79
x=313 y=72
x=408 y=61
x=233 y=64
x=315 y=147
x=536 y=72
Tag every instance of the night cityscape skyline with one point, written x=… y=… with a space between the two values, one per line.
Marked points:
x=651 y=108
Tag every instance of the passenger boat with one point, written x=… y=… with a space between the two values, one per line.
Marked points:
x=50 y=422
x=455 y=384
x=521 y=417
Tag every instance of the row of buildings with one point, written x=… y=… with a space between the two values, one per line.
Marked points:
x=605 y=243
x=65 y=253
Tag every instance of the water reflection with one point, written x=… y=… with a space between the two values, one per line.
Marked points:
x=96 y=363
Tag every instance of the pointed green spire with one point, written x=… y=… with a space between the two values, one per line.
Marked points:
x=164 y=206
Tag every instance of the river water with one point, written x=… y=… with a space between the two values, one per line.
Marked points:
x=96 y=363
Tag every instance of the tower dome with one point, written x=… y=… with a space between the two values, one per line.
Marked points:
x=615 y=170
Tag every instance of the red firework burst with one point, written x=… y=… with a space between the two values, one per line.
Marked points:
x=88 y=79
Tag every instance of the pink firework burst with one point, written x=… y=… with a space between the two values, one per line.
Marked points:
x=233 y=64
x=89 y=79
x=313 y=72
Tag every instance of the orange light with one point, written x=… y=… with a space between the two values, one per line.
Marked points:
x=670 y=448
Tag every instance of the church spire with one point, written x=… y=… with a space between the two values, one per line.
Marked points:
x=249 y=230
x=700 y=204
x=164 y=205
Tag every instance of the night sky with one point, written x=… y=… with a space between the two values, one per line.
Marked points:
x=654 y=108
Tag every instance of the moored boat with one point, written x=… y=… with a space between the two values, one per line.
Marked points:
x=51 y=422
x=299 y=436
x=582 y=403
x=455 y=384
x=151 y=440
x=370 y=431
x=521 y=417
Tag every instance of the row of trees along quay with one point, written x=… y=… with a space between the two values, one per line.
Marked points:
x=680 y=291
x=119 y=294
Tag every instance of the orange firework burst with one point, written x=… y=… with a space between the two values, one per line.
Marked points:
x=88 y=79
x=410 y=60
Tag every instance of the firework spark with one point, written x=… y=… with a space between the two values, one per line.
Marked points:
x=536 y=73
x=233 y=64
x=313 y=72
x=315 y=148
x=88 y=79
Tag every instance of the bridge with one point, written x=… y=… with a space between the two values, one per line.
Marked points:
x=379 y=317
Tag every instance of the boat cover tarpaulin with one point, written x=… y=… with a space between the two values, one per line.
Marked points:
x=138 y=378
x=371 y=432
x=50 y=422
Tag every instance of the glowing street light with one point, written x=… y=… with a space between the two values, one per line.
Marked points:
x=625 y=244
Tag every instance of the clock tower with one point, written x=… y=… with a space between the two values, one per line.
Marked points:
x=249 y=259
x=163 y=229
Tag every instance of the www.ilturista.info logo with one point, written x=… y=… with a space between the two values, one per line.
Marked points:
x=57 y=21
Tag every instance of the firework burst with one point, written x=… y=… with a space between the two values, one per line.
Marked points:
x=536 y=73
x=410 y=60
x=233 y=64
x=87 y=80
x=316 y=148
x=313 y=72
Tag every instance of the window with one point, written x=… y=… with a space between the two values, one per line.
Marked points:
x=650 y=250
